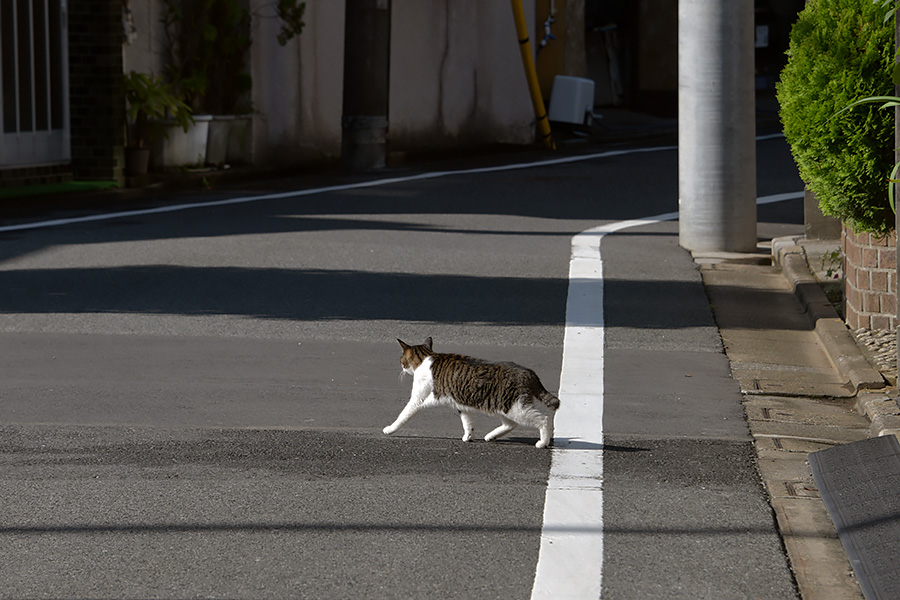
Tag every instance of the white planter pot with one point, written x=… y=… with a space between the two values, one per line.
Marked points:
x=229 y=140
x=182 y=148
x=217 y=142
x=240 y=141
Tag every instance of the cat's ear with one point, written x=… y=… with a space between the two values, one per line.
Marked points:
x=403 y=344
x=427 y=343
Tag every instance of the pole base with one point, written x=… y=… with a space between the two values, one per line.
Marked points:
x=364 y=143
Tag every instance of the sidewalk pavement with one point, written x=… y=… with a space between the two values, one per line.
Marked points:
x=807 y=385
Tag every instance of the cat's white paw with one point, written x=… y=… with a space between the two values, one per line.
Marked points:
x=541 y=444
x=389 y=430
x=467 y=437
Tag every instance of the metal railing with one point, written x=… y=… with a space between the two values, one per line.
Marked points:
x=34 y=105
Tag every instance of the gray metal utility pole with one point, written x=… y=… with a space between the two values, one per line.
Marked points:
x=367 y=53
x=716 y=126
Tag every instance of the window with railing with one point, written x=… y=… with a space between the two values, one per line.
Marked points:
x=34 y=103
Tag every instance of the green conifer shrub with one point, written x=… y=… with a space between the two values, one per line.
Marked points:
x=841 y=51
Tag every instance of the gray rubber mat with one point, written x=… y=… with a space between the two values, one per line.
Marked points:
x=860 y=484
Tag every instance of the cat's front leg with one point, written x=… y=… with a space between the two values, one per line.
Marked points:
x=412 y=407
x=422 y=393
x=408 y=411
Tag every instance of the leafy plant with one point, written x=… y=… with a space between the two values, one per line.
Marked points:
x=832 y=263
x=206 y=53
x=841 y=51
x=149 y=99
x=291 y=14
x=886 y=101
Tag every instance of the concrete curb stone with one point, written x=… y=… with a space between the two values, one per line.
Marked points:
x=882 y=411
x=832 y=332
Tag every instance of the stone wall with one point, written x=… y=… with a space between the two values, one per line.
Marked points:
x=870 y=280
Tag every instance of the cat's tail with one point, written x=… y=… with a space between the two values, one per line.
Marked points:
x=549 y=400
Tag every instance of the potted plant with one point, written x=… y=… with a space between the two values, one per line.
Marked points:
x=206 y=54
x=150 y=100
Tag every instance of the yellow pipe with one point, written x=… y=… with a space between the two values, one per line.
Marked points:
x=540 y=112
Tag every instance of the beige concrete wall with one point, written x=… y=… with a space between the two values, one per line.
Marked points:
x=143 y=52
x=456 y=76
x=276 y=73
x=564 y=55
x=658 y=51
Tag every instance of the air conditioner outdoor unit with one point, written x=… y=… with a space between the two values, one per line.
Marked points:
x=572 y=100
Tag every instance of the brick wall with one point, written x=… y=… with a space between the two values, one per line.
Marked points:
x=870 y=280
x=96 y=93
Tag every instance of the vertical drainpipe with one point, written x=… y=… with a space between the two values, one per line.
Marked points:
x=537 y=101
x=364 y=124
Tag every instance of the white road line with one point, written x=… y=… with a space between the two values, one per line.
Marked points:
x=321 y=190
x=570 y=561
x=337 y=188
x=779 y=197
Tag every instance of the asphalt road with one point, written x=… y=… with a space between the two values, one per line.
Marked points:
x=192 y=401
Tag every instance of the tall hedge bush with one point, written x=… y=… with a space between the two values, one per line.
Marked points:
x=841 y=51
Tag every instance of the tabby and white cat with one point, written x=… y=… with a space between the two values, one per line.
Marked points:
x=510 y=391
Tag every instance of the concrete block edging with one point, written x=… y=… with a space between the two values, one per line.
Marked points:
x=831 y=331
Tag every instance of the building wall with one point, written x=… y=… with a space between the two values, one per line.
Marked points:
x=96 y=112
x=279 y=80
x=564 y=55
x=657 y=57
x=96 y=95
x=456 y=77
x=144 y=37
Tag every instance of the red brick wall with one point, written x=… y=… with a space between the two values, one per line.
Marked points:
x=870 y=280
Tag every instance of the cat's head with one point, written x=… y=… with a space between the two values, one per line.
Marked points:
x=413 y=356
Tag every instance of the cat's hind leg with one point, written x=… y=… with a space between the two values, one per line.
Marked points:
x=468 y=424
x=534 y=415
x=546 y=431
x=505 y=427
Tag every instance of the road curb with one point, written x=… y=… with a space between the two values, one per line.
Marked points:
x=831 y=331
x=882 y=411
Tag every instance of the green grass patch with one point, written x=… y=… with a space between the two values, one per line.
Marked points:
x=49 y=189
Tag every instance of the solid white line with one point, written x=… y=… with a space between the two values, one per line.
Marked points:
x=770 y=136
x=570 y=559
x=779 y=197
x=322 y=190
x=338 y=188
